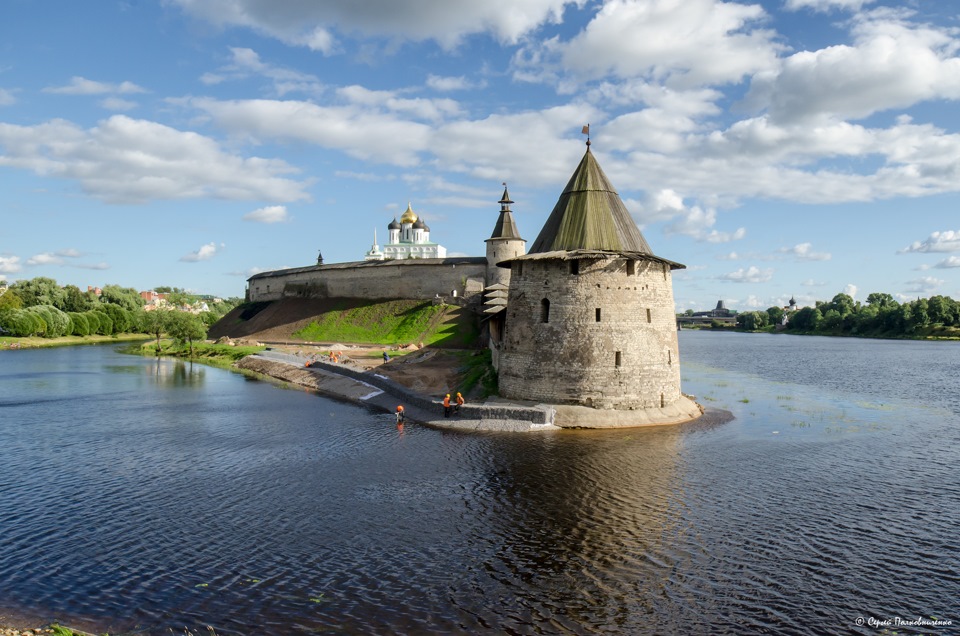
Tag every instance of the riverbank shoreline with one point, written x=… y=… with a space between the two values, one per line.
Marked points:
x=14 y=344
x=365 y=386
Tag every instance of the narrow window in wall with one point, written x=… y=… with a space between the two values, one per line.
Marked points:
x=268 y=289
x=598 y=314
x=669 y=357
x=519 y=268
x=664 y=271
x=574 y=267
x=663 y=402
x=618 y=359
x=631 y=268
x=649 y=318
x=544 y=310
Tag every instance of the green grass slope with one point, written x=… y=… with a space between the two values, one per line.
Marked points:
x=394 y=322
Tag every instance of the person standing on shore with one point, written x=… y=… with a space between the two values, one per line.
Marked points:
x=446 y=406
x=456 y=409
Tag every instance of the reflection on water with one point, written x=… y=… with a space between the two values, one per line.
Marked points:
x=176 y=373
x=141 y=495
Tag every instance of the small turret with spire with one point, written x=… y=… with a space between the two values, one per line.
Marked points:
x=505 y=242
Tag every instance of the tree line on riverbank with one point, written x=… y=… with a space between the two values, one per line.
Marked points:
x=40 y=307
x=881 y=316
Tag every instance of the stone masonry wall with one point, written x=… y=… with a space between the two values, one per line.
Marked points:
x=607 y=339
x=499 y=249
x=417 y=279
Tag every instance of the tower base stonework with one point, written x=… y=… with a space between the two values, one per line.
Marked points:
x=590 y=325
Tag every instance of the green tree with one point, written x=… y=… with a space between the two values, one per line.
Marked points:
x=185 y=327
x=22 y=323
x=57 y=322
x=76 y=300
x=806 y=319
x=940 y=309
x=179 y=298
x=154 y=323
x=126 y=297
x=775 y=315
x=832 y=321
x=209 y=318
x=842 y=303
x=122 y=319
x=752 y=320
x=93 y=322
x=10 y=300
x=104 y=323
x=79 y=325
x=919 y=315
x=39 y=291
x=881 y=300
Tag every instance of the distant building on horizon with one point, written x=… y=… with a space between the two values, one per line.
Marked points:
x=408 y=238
x=720 y=311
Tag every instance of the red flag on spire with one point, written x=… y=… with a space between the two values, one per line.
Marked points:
x=586 y=130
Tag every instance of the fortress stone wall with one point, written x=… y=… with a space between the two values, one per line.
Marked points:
x=412 y=279
x=592 y=332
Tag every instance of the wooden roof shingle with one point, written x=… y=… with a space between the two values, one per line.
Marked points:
x=590 y=216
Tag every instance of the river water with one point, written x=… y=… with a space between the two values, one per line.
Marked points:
x=143 y=496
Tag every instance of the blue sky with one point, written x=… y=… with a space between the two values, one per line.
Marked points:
x=782 y=148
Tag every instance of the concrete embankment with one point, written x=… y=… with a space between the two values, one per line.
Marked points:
x=367 y=387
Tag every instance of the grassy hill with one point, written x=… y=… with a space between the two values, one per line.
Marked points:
x=393 y=322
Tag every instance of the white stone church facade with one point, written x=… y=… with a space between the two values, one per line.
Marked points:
x=408 y=238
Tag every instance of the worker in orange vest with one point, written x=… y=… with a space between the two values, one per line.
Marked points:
x=456 y=409
x=400 y=414
x=446 y=406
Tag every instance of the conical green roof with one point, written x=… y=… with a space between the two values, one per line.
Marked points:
x=590 y=216
x=506 y=227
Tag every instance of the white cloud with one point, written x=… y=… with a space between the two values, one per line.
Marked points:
x=9 y=264
x=948 y=241
x=750 y=274
x=851 y=290
x=116 y=103
x=824 y=6
x=95 y=266
x=361 y=132
x=444 y=84
x=7 y=98
x=245 y=62
x=690 y=43
x=268 y=214
x=891 y=64
x=249 y=272
x=45 y=258
x=752 y=302
x=924 y=286
x=205 y=253
x=696 y=222
x=83 y=86
x=124 y=160
x=813 y=283
x=804 y=252
x=416 y=108
x=949 y=262
x=316 y=24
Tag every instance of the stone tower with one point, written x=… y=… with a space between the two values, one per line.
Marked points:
x=505 y=243
x=590 y=316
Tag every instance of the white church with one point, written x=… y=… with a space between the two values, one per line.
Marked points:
x=408 y=238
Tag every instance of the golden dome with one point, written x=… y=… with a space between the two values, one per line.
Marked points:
x=409 y=216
